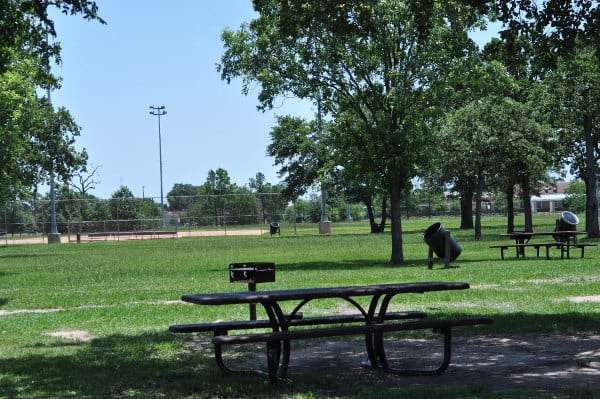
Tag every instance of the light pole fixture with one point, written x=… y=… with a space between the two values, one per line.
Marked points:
x=160 y=111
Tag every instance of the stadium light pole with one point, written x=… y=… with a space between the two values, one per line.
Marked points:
x=54 y=236
x=160 y=111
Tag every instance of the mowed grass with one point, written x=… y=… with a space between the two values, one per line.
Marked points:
x=125 y=295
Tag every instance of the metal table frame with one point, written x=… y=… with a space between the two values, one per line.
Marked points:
x=381 y=296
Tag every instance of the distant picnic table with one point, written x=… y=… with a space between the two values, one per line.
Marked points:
x=113 y=235
x=564 y=240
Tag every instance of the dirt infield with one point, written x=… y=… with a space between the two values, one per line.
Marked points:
x=72 y=238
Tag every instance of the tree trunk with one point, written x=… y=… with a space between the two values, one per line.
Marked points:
x=466 y=210
x=371 y=215
x=376 y=228
x=510 y=209
x=527 y=205
x=396 y=218
x=384 y=214
x=591 y=181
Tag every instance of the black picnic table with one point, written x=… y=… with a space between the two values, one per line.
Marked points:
x=564 y=239
x=373 y=315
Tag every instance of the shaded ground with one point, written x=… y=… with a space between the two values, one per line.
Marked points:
x=557 y=364
x=562 y=365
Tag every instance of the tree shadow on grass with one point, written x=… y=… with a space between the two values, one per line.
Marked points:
x=438 y=263
x=145 y=365
x=153 y=365
x=23 y=256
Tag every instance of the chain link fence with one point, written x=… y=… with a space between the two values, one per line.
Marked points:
x=128 y=218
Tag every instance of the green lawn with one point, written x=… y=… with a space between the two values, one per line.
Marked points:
x=126 y=294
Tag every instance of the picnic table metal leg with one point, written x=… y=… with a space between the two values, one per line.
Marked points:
x=381 y=357
x=273 y=357
x=278 y=352
x=228 y=370
x=371 y=339
x=219 y=356
x=443 y=365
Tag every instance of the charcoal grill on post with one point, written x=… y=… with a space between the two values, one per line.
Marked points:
x=252 y=273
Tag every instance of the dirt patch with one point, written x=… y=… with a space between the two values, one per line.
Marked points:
x=557 y=364
x=589 y=298
x=76 y=335
x=66 y=238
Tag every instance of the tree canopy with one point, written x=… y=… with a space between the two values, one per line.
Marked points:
x=37 y=140
x=372 y=63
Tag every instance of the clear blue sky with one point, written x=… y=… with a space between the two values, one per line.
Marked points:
x=154 y=52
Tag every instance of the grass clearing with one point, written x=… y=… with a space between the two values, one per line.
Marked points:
x=125 y=294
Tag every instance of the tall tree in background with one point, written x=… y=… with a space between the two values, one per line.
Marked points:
x=217 y=185
x=272 y=202
x=374 y=61
x=469 y=80
x=503 y=141
x=574 y=107
x=182 y=196
x=309 y=155
x=37 y=140
x=557 y=29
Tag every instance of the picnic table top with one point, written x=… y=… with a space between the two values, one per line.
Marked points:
x=542 y=233
x=228 y=298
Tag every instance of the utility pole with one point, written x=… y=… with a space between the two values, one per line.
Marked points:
x=324 y=224
x=54 y=236
x=160 y=111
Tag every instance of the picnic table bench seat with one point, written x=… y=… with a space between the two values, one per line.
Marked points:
x=275 y=338
x=582 y=246
x=222 y=327
x=129 y=234
x=536 y=245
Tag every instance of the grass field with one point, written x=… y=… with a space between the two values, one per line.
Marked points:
x=120 y=297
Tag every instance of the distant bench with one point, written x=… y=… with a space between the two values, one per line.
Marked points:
x=564 y=248
x=131 y=234
x=581 y=246
x=521 y=248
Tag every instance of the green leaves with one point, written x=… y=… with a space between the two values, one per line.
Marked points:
x=36 y=139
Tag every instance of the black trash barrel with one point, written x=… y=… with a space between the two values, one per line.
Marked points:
x=275 y=229
x=435 y=237
x=568 y=222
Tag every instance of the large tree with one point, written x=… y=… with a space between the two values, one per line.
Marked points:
x=557 y=30
x=371 y=61
x=503 y=141
x=272 y=202
x=182 y=196
x=37 y=140
x=574 y=109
